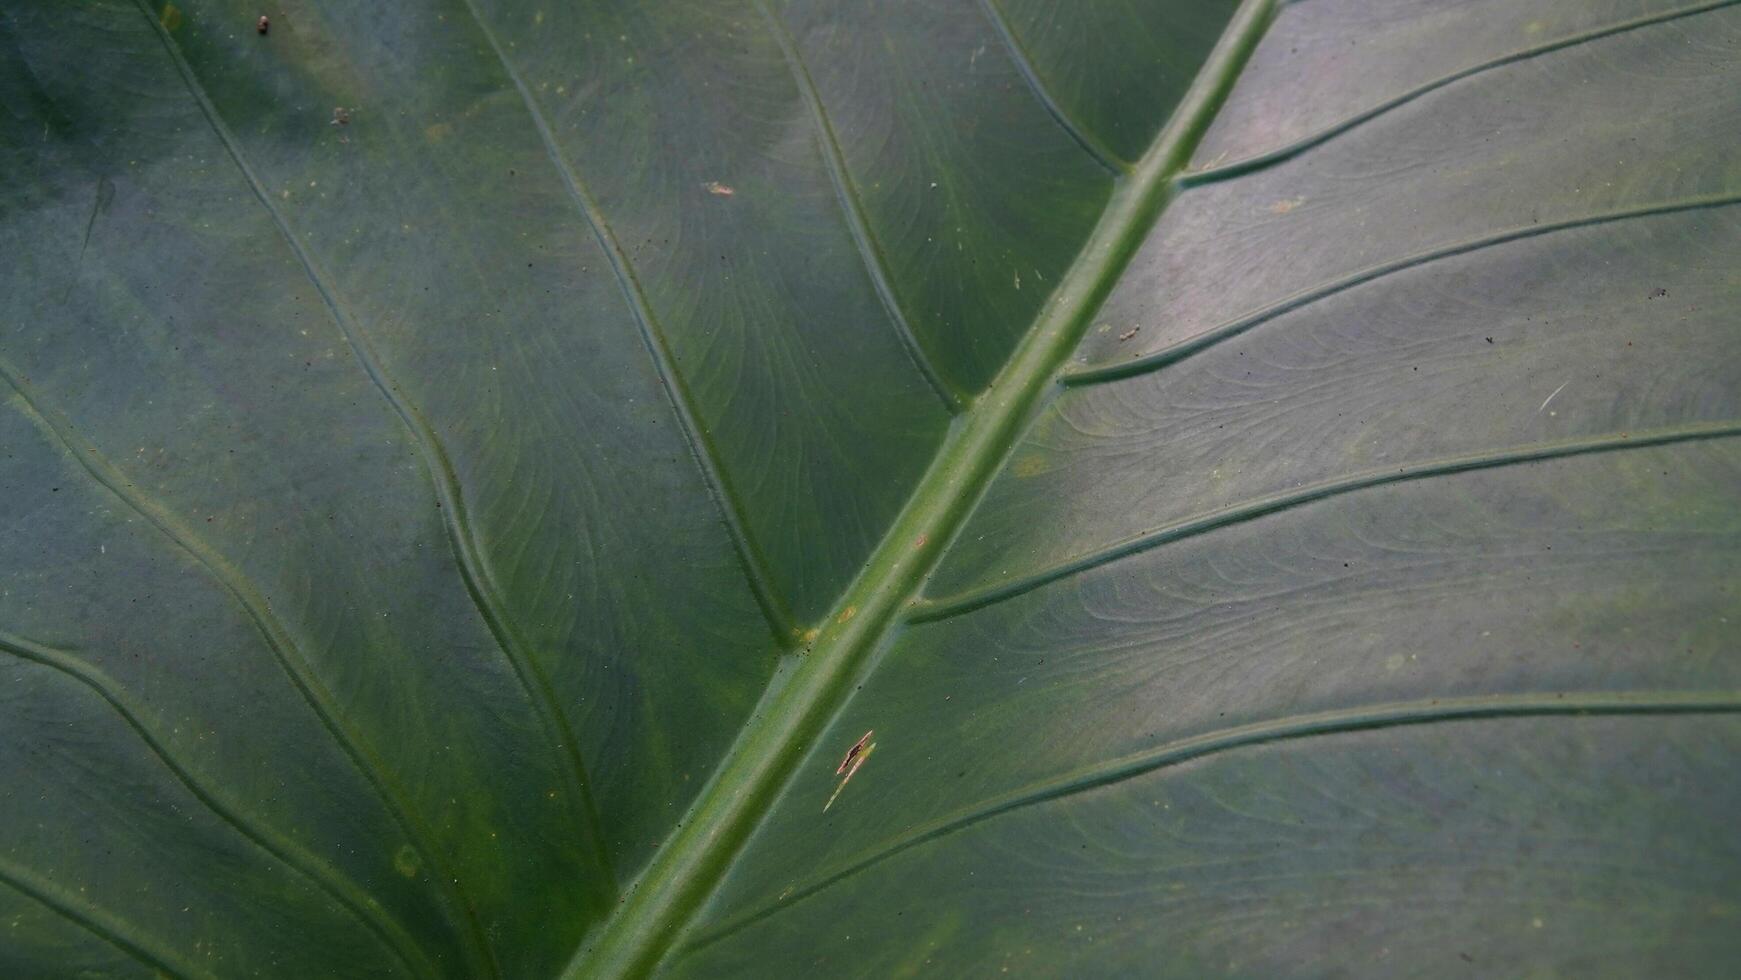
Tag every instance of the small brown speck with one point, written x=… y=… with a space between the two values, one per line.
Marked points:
x=262 y=25
x=1128 y=334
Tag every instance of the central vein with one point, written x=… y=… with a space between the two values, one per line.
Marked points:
x=695 y=857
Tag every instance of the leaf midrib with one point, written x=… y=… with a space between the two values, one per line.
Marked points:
x=728 y=809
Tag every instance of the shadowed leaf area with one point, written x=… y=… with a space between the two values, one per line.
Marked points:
x=700 y=488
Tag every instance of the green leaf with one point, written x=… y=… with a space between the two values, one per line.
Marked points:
x=794 y=487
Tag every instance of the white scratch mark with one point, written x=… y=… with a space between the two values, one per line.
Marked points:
x=1551 y=398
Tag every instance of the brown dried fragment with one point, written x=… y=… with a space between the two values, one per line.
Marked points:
x=1128 y=334
x=852 y=753
x=849 y=766
x=262 y=25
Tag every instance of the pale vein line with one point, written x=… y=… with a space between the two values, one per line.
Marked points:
x=480 y=585
x=334 y=883
x=846 y=195
x=1239 y=325
x=259 y=611
x=944 y=608
x=1260 y=161
x=1366 y=718
x=1019 y=56
x=106 y=926
x=701 y=448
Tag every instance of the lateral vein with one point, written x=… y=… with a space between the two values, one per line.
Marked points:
x=277 y=638
x=106 y=926
x=1237 y=168
x=1024 y=64
x=852 y=209
x=773 y=605
x=944 y=608
x=328 y=879
x=1365 y=718
x=1229 y=329
x=474 y=572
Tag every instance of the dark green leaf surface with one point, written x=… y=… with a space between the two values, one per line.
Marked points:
x=469 y=471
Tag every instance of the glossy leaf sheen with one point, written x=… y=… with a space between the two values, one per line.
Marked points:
x=1265 y=479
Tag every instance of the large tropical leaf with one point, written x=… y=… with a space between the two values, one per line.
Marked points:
x=1265 y=479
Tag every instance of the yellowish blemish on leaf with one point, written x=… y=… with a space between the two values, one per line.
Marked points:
x=810 y=635
x=1032 y=464
x=407 y=861
x=438 y=132
x=847 y=614
x=1283 y=207
x=170 y=18
x=718 y=189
